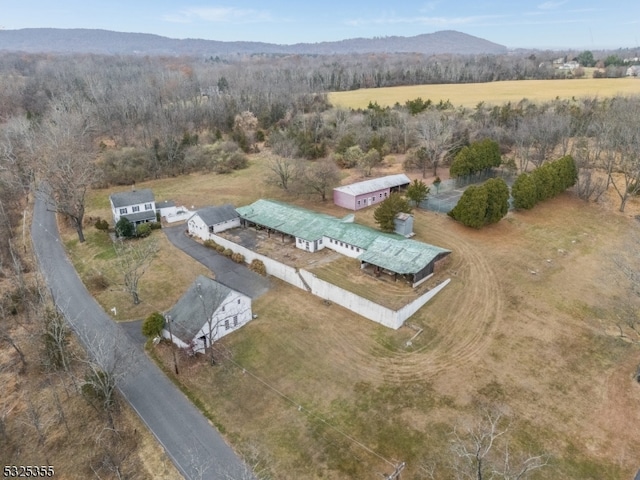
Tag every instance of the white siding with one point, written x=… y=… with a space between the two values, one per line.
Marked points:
x=342 y=248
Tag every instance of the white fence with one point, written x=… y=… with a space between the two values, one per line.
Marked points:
x=307 y=281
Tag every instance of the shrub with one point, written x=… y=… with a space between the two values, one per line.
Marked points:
x=210 y=244
x=220 y=248
x=124 y=228
x=97 y=282
x=155 y=225
x=153 y=325
x=227 y=252
x=237 y=257
x=258 y=267
x=102 y=225
x=143 y=230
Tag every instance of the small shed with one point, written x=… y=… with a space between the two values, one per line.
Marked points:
x=206 y=312
x=210 y=220
x=403 y=224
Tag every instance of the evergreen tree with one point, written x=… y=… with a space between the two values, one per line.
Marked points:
x=153 y=325
x=497 y=200
x=471 y=209
x=417 y=191
x=124 y=228
x=387 y=211
x=524 y=192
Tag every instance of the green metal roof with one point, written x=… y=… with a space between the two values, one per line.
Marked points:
x=404 y=256
x=387 y=250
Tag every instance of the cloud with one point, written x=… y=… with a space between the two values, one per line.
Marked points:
x=551 y=5
x=218 y=15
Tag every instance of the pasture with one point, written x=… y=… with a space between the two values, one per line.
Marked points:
x=310 y=390
x=494 y=93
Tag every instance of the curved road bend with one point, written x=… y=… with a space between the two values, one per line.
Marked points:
x=195 y=447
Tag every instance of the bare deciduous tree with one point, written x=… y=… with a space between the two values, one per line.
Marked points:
x=283 y=172
x=481 y=451
x=133 y=259
x=622 y=145
x=67 y=163
x=320 y=177
x=437 y=138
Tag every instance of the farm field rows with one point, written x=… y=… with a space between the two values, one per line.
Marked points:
x=494 y=93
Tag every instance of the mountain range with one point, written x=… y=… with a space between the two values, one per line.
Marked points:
x=53 y=40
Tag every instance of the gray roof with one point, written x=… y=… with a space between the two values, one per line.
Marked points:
x=196 y=307
x=373 y=185
x=165 y=204
x=215 y=215
x=133 y=197
x=144 y=216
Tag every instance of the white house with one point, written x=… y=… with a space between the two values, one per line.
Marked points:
x=137 y=206
x=205 y=313
x=167 y=208
x=213 y=220
x=633 y=71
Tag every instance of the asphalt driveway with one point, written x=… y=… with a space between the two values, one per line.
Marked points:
x=229 y=273
x=196 y=448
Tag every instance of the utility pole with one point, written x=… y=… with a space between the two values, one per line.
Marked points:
x=173 y=345
x=396 y=473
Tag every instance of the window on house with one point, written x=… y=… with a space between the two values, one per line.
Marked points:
x=235 y=321
x=385 y=194
x=358 y=202
x=226 y=324
x=148 y=206
x=135 y=209
x=320 y=242
x=123 y=211
x=351 y=246
x=380 y=195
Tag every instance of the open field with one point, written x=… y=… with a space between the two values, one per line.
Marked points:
x=542 y=346
x=494 y=93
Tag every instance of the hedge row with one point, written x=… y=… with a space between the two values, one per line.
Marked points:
x=545 y=182
x=482 y=204
x=227 y=252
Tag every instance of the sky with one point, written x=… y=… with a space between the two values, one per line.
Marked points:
x=553 y=24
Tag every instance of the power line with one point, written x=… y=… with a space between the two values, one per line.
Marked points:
x=397 y=467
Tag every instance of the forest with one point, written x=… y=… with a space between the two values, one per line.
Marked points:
x=80 y=122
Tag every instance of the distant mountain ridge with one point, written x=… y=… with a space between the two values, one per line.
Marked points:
x=52 y=40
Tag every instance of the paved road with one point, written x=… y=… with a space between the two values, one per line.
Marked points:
x=195 y=447
x=228 y=272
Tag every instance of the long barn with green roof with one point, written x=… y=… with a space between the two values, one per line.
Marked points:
x=313 y=231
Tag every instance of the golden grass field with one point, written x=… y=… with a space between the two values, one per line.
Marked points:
x=494 y=93
x=542 y=346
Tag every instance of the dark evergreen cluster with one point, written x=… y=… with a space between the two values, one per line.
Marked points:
x=482 y=205
x=545 y=182
x=477 y=157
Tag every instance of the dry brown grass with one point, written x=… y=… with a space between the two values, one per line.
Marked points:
x=498 y=334
x=493 y=93
x=72 y=440
x=537 y=344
